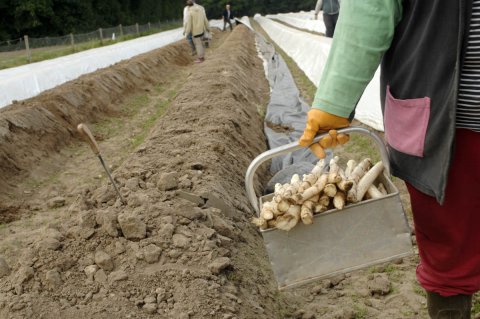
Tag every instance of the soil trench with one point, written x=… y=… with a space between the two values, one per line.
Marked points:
x=33 y=129
x=183 y=246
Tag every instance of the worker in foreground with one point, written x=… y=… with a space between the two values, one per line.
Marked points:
x=430 y=87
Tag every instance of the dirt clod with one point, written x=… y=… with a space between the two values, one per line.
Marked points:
x=219 y=264
x=132 y=184
x=104 y=260
x=90 y=271
x=190 y=197
x=150 y=308
x=53 y=279
x=56 y=202
x=118 y=275
x=167 y=181
x=100 y=276
x=4 y=268
x=180 y=241
x=152 y=253
x=110 y=223
x=335 y=281
x=379 y=285
x=132 y=227
x=215 y=201
x=24 y=274
x=49 y=243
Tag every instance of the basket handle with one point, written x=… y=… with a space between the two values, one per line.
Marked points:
x=294 y=146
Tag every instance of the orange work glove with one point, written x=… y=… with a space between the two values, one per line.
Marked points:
x=319 y=121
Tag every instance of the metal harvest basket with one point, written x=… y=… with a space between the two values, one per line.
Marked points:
x=339 y=241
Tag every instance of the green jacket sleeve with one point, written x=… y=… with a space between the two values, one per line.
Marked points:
x=363 y=34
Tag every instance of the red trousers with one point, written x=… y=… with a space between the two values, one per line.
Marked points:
x=448 y=235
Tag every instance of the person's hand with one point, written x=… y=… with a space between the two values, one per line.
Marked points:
x=319 y=121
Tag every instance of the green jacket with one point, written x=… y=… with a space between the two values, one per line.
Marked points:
x=362 y=35
x=420 y=45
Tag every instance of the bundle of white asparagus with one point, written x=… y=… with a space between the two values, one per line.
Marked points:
x=320 y=191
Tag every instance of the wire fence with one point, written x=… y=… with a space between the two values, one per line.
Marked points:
x=36 y=49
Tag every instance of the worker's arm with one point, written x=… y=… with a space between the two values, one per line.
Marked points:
x=363 y=34
x=206 y=23
x=189 y=25
x=318 y=7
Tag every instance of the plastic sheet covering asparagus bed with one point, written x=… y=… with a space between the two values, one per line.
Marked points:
x=339 y=241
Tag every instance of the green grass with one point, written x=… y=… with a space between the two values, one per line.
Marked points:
x=52 y=179
x=363 y=146
x=160 y=108
x=476 y=307
x=112 y=126
x=360 y=312
x=137 y=102
x=233 y=276
x=262 y=111
x=419 y=290
x=55 y=52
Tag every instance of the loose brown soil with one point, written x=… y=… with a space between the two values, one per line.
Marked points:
x=160 y=255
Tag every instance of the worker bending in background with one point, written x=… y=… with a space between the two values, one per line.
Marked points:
x=197 y=25
x=430 y=92
x=331 y=10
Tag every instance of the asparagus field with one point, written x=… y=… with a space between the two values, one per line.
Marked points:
x=178 y=138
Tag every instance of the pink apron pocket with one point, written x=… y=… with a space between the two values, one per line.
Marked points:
x=406 y=123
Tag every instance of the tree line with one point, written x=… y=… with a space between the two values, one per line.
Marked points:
x=40 y=18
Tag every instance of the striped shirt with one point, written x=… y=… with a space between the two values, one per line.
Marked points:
x=468 y=105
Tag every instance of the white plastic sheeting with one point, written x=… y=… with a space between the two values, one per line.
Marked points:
x=308 y=15
x=216 y=24
x=29 y=80
x=303 y=21
x=246 y=21
x=310 y=52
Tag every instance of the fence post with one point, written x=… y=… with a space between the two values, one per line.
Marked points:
x=72 y=41
x=137 y=29
x=27 y=47
x=100 y=31
x=121 y=30
x=149 y=26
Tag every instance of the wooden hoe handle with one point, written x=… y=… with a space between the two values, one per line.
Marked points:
x=87 y=135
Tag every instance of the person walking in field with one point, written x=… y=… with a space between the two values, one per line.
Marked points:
x=331 y=10
x=227 y=17
x=430 y=86
x=197 y=25
x=188 y=35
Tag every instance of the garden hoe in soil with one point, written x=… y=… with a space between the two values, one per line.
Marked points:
x=87 y=135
